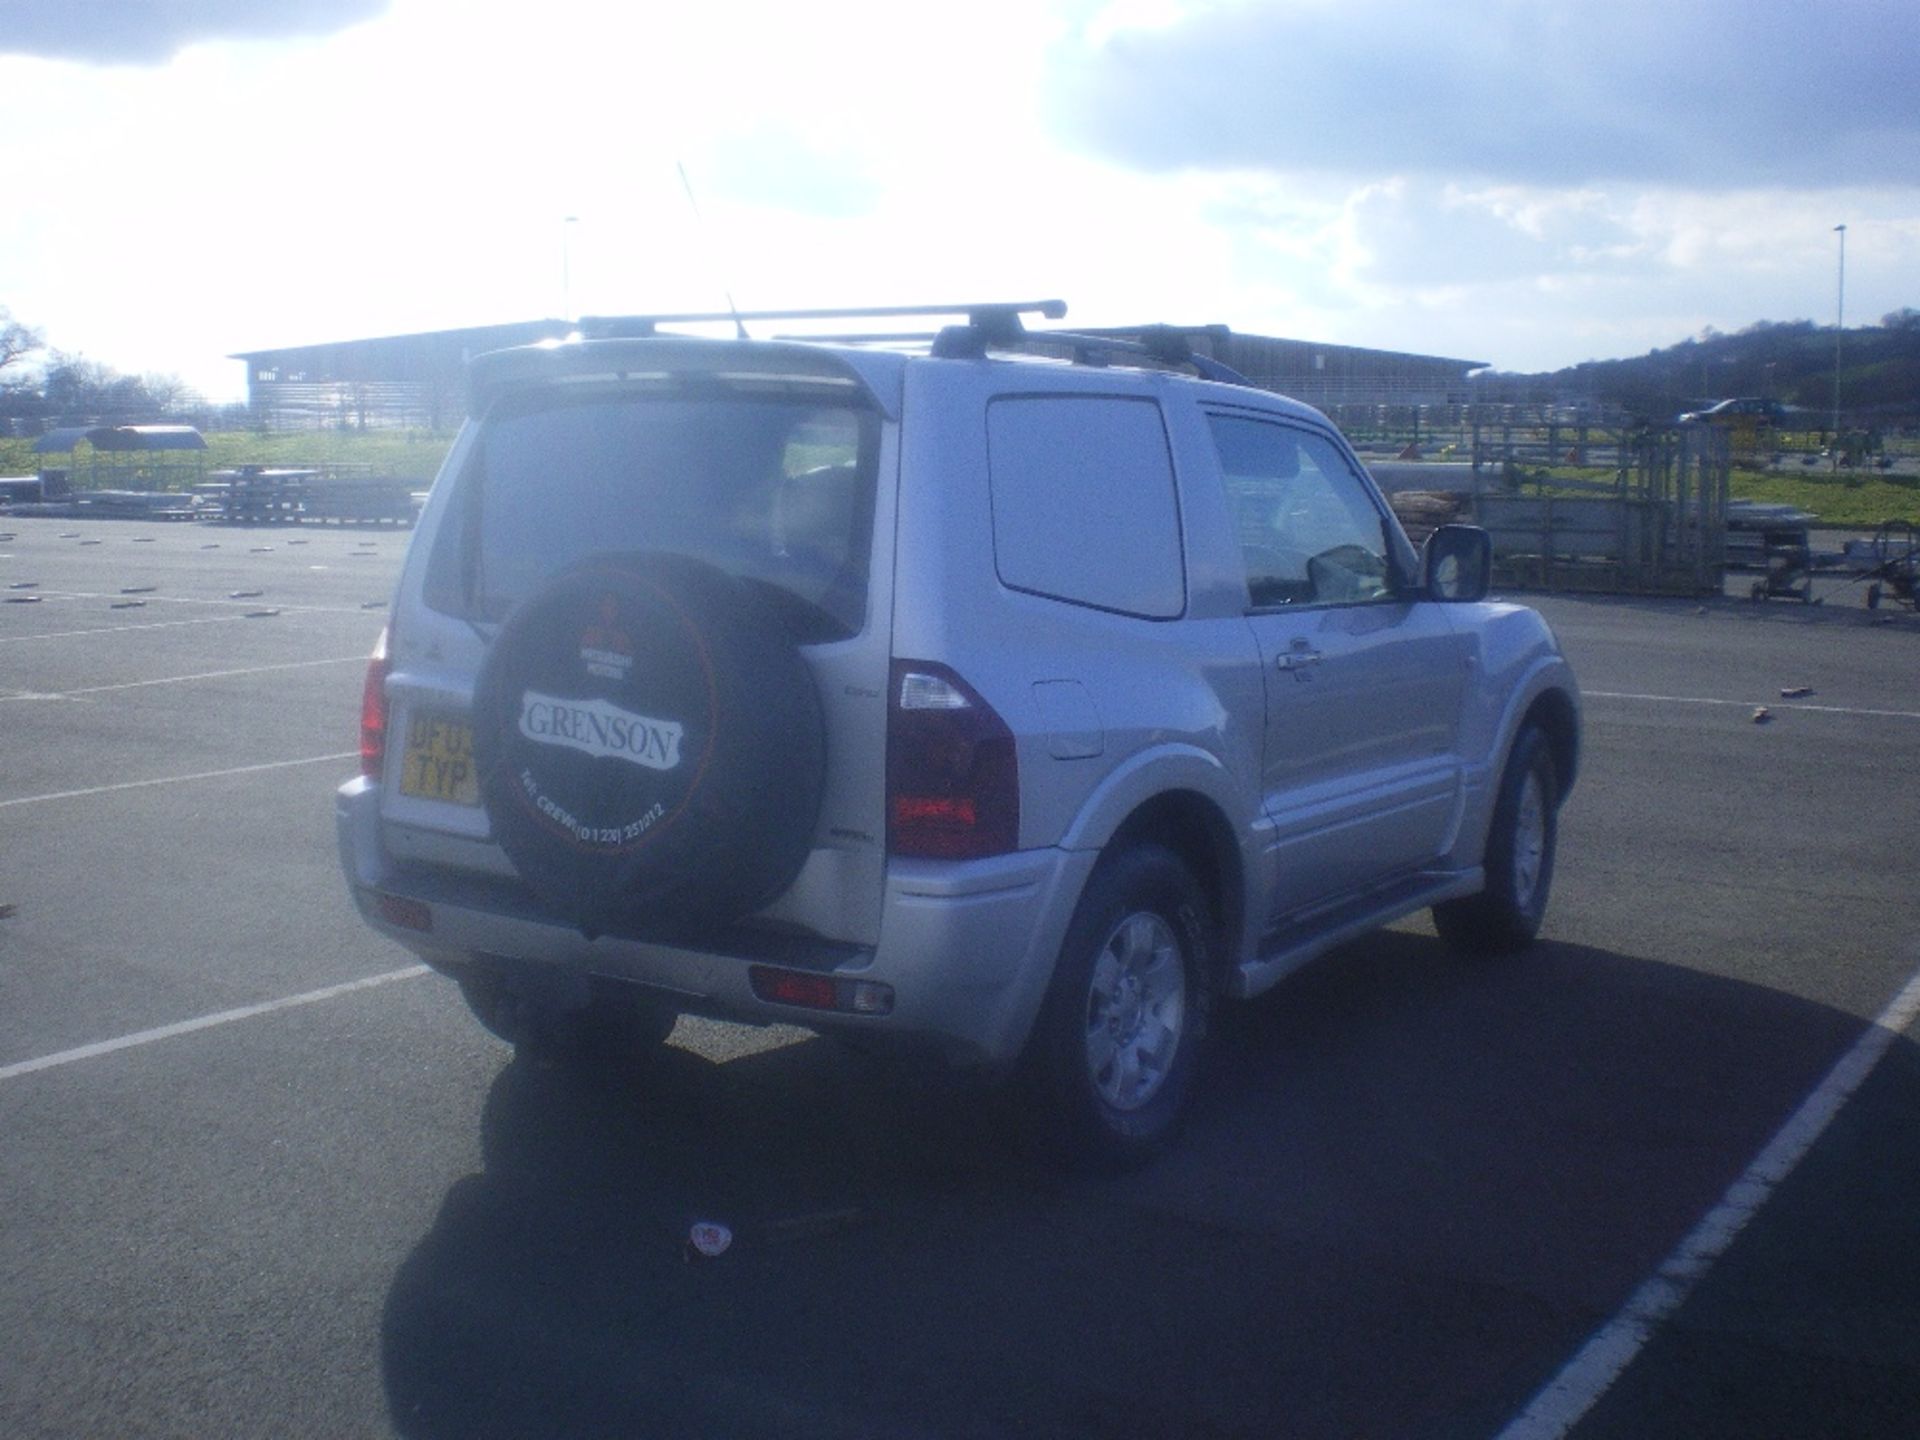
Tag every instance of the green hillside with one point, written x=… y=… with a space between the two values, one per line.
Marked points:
x=1792 y=362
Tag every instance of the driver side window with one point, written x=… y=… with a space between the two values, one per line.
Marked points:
x=1309 y=535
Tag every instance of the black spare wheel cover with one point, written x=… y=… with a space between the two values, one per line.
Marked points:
x=650 y=743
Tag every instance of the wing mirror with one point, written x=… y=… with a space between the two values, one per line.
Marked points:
x=1457 y=564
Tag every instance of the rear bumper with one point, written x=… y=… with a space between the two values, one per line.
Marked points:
x=967 y=948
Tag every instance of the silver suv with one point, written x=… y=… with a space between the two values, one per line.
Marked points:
x=1007 y=698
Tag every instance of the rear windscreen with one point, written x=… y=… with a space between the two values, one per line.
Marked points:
x=777 y=490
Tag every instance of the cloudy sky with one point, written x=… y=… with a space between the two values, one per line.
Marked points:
x=1525 y=182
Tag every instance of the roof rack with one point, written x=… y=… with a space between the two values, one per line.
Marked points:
x=990 y=325
x=1162 y=343
x=997 y=316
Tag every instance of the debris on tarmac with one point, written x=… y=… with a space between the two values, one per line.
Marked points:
x=138 y=589
x=69 y=534
x=90 y=542
x=128 y=605
x=708 y=1239
x=1795 y=692
x=24 y=585
x=258 y=549
x=143 y=540
x=1761 y=715
x=23 y=599
x=245 y=594
x=261 y=614
x=214 y=546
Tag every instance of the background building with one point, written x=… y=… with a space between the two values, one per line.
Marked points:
x=419 y=380
x=391 y=381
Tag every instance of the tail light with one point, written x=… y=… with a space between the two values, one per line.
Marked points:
x=813 y=991
x=953 y=781
x=373 y=711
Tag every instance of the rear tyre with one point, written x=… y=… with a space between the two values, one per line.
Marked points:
x=1506 y=916
x=582 y=1023
x=1118 y=1042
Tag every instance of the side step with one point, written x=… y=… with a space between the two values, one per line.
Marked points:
x=1287 y=950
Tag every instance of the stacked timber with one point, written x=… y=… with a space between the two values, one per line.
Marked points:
x=1421 y=512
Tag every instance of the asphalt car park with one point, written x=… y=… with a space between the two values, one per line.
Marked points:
x=262 y=1175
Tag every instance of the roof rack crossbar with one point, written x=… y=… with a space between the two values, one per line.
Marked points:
x=988 y=325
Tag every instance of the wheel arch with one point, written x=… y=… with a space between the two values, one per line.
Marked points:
x=1195 y=830
x=1554 y=713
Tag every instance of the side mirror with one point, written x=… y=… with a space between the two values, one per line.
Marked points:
x=1457 y=564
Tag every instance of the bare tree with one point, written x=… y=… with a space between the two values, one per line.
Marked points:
x=16 y=340
x=167 y=394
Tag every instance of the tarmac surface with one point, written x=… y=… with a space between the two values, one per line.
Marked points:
x=261 y=1176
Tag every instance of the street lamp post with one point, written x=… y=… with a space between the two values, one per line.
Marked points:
x=566 y=266
x=1839 y=329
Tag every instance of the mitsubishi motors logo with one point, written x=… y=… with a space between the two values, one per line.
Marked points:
x=604 y=646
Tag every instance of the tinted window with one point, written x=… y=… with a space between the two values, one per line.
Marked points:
x=774 y=490
x=1309 y=533
x=1083 y=503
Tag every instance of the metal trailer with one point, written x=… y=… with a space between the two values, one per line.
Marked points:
x=1889 y=563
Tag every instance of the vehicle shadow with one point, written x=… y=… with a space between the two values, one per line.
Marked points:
x=1414 y=1185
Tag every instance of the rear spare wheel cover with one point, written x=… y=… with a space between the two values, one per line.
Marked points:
x=650 y=743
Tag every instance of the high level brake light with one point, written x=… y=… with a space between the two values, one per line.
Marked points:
x=953 y=780
x=373 y=711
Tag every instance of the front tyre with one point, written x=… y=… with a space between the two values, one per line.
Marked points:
x=1118 y=1042
x=1506 y=916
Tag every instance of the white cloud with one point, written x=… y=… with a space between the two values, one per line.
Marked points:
x=1714 y=94
x=141 y=32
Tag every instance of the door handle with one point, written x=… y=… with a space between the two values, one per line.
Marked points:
x=1297 y=659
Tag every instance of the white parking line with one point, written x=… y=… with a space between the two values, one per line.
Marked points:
x=116 y=629
x=204 y=1022
x=1749 y=704
x=197 y=600
x=178 y=779
x=1590 y=1374
x=182 y=679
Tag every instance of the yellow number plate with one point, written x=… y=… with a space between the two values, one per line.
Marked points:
x=439 y=761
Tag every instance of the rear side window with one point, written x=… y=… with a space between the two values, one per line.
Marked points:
x=1084 y=508
x=776 y=490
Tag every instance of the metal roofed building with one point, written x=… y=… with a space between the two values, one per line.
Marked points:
x=120 y=438
x=387 y=382
x=121 y=457
x=419 y=380
x=1327 y=376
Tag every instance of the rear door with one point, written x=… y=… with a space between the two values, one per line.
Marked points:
x=1364 y=681
x=788 y=487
